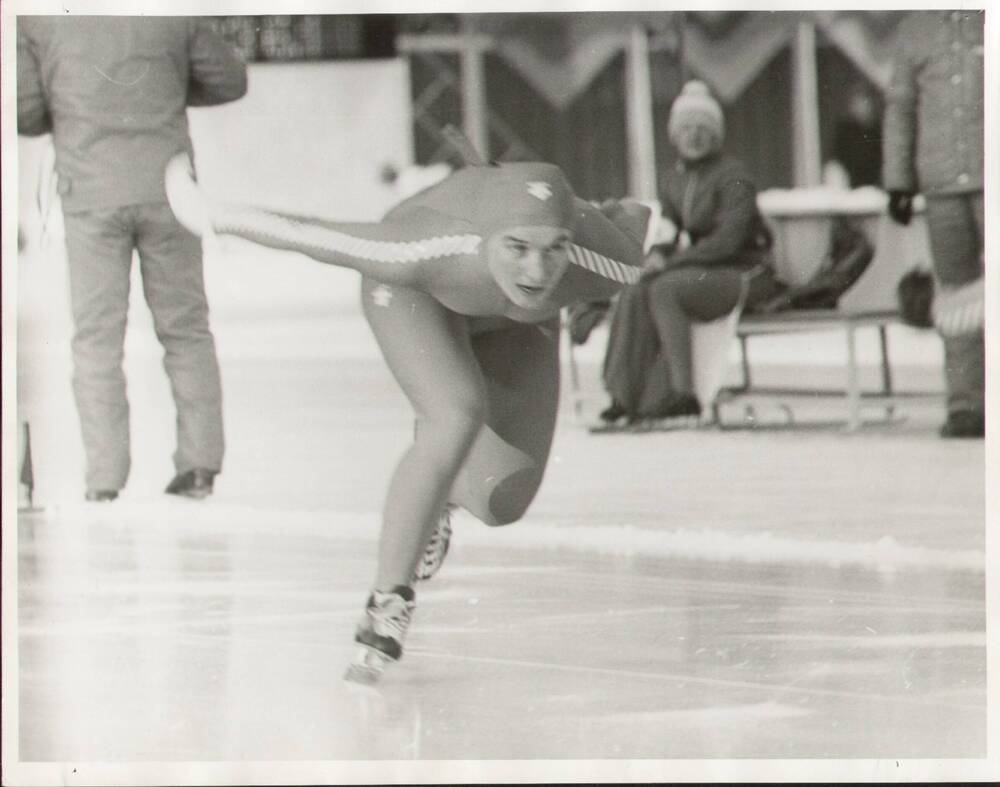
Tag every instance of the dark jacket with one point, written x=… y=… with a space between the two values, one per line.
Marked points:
x=113 y=92
x=715 y=202
x=933 y=129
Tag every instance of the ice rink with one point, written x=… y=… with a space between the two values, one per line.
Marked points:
x=674 y=605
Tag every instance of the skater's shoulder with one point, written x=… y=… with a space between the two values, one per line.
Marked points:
x=452 y=196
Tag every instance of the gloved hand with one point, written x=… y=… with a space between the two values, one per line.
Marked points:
x=630 y=216
x=584 y=317
x=901 y=206
x=656 y=263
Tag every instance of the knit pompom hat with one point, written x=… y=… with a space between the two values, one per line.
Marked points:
x=696 y=103
x=525 y=194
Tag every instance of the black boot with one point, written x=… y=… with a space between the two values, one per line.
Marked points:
x=196 y=483
x=613 y=412
x=100 y=495
x=964 y=423
x=679 y=405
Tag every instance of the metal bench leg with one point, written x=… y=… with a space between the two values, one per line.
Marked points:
x=744 y=363
x=883 y=339
x=853 y=386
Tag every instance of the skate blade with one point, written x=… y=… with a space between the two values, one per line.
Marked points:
x=367 y=666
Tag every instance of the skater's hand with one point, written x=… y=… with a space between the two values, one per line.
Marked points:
x=901 y=206
x=656 y=263
x=186 y=199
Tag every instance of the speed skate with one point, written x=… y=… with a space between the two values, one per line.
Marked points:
x=380 y=633
x=367 y=666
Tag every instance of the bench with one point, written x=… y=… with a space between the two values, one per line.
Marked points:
x=811 y=321
x=801 y=220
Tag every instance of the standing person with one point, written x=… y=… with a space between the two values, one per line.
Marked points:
x=113 y=91
x=462 y=285
x=933 y=144
x=722 y=242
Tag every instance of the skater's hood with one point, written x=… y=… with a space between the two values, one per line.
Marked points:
x=525 y=194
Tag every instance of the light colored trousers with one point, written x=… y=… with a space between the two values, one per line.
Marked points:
x=955 y=226
x=648 y=357
x=99 y=246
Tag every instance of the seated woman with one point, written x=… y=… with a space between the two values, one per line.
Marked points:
x=462 y=285
x=722 y=243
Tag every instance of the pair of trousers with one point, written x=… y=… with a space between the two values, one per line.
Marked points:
x=955 y=226
x=648 y=357
x=99 y=247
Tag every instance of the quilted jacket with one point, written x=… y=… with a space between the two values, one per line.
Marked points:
x=933 y=127
x=113 y=92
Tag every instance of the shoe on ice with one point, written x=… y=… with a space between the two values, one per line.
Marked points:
x=679 y=406
x=101 y=495
x=196 y=483
x=188 y=202
x=613 y=412
x=964 y=423
x=381 y=633
x=436 y=548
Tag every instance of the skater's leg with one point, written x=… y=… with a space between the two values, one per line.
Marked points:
x=428 y=351
x=520 y=364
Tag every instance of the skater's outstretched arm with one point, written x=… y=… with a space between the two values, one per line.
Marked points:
x=388 y=251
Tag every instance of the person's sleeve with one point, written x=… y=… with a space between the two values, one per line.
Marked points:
x=899 y=126
x=670 y=213
x=734 y=222
x=606 y=253
x=33 y=118
x=218 y=74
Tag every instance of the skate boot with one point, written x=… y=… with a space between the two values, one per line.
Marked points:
x=380 y=633
x=436 y=548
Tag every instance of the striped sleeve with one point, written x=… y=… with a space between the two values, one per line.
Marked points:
x=381 y=250
x=603 y=266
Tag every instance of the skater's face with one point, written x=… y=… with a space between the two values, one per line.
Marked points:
x=528 y=262
x=695 y=139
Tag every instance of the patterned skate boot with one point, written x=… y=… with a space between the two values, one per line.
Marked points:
x=436 y=548
x=380 y=633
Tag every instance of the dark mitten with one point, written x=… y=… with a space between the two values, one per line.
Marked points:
x=584 y=317
x=901 y=206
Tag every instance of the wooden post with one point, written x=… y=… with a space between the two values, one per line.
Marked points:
x=805 y=107
x=639 y=117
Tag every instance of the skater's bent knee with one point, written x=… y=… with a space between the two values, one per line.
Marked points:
x=511 y=497
x=460 y=407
